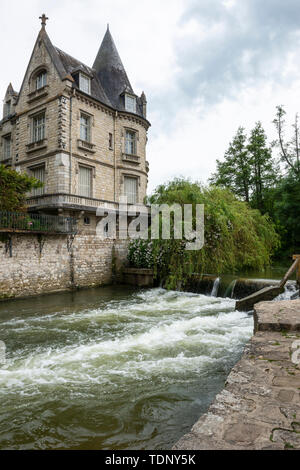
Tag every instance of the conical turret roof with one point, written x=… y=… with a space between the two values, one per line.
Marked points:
x=111 y=71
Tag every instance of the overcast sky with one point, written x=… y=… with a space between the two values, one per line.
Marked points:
x=206 y=66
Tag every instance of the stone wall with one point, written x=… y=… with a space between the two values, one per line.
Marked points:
x=32 y=264
x=259 y=408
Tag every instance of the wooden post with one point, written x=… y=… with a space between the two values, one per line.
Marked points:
x=298 y=270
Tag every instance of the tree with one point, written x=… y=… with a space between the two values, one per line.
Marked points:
x=236 y=236
x=263 y=168
x=248 y=169
x=289 y=150
x=286 y=214
x=234 y=172
x=13 y=188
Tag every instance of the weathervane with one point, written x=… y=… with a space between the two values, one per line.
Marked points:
x=44 y=18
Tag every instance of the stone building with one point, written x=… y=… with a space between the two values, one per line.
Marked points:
x=81 y=130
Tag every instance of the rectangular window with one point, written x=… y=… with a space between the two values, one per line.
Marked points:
x=130 y=103
x=130 y=189
x=85 y=128
x=41 y=80
x=6 y=147
x=38 y=128
x=85 y=83
x=110 y=141
x=130 y=142
x=85 y=181
x=7 y=108
x=39 y=174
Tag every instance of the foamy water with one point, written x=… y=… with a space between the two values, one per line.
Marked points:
x=112 y=369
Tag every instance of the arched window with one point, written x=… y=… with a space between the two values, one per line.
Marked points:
x=41 y=79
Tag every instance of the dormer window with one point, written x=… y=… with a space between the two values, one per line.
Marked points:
x=85 y=83
x=41 y=80
x=7 y=108
x=130 y=103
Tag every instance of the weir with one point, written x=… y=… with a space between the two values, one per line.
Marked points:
x=269 y=293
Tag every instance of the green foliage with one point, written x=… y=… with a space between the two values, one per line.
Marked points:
x=140 y=254
x=236 y=236
x=286 y=213
x=290 y=149
x=13 y=188
x=235 y=171
x=248 y=169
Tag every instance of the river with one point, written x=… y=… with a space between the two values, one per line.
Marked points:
x=113 y=367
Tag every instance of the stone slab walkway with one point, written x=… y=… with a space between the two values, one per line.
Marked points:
x=259 y=407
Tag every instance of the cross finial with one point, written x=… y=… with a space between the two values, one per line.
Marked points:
x=44 y=18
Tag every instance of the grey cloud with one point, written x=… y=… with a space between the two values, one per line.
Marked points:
x=249 y=47
x=253 y=44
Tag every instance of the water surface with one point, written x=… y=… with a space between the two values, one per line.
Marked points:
x=113 y=368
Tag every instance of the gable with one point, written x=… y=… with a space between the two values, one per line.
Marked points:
x=43 y=57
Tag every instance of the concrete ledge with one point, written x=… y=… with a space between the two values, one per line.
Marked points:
x=259 y=408
x=277 y=316
x=138 y=277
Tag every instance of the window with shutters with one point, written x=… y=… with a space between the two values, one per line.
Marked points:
x=38 y=172
x=38 y=128
x=85 y=128
x=130 y=189
x=85 y=181
x=130 y=142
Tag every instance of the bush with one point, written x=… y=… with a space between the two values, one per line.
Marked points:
x=236 y=236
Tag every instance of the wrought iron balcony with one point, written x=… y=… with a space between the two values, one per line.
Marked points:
x=21 y=222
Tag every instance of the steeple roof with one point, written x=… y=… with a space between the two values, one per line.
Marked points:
x=109 y=80
x=111 y=71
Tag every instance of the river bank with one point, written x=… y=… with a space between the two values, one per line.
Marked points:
x=259 y=408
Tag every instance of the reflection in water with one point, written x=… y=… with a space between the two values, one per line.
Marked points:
x=113 y=368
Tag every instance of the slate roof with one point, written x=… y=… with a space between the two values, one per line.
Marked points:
x=112 y=74
x=109 y=79
x=72 y=65
x=108 y=76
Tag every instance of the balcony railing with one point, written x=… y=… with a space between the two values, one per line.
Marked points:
x=66 y=200
x=75 y=202
x=36 y=223
x=84 y=145
x=128 y=157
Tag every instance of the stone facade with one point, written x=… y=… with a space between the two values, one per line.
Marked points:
x=69 y=120
x=60 y=149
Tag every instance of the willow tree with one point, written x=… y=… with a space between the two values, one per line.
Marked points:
x=236 y=236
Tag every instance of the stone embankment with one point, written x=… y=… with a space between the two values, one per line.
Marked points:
x=259 y=408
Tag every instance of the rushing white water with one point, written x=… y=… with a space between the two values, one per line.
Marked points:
x=130 y=372
x=215 y=289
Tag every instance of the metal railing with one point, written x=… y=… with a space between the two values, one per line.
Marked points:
x=41 y=223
